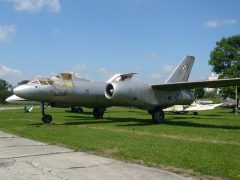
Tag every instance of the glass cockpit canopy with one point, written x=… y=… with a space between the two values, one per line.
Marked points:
x=42 y=81
x=69 y=76
x=61 y=76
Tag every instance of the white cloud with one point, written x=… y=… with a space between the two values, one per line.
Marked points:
x=212 y=24
x=217 y=23
x=6 y=32
x=11 y=75
x=105 y=72
x=164 y=71
x=167 y=68
x=56 y=32
x=155 y=76
x=36 y=5
x=80 y=67
x=154 y=55
x=4 y=71
x=230 y=21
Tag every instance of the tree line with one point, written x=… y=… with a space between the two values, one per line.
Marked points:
x=6 y=89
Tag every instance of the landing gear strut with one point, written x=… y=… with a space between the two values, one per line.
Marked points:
x=98 y=112
x=158 y=116
x=46 y=118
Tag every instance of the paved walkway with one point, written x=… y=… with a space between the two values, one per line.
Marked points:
x=9 y=108
x=22 y=158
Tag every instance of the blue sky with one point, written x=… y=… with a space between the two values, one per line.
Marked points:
x=98 y=38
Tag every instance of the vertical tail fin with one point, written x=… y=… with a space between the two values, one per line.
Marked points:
x=182 y=71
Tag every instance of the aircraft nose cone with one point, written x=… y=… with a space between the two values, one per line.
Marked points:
x=19 y=90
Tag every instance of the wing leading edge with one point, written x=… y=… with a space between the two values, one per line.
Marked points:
x=198 y=84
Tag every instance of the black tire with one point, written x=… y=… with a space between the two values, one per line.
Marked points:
x=98 y=113
x=158 y=116
x=195 y=113
x=150 y=111
x=76 y=109
x=47 y=119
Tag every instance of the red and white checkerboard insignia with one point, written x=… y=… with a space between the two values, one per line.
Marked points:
x=184 y=67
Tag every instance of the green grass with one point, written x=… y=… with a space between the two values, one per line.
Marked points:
x=204 y=145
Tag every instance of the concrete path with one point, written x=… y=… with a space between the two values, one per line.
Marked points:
x=22 y=158
x=9 y=108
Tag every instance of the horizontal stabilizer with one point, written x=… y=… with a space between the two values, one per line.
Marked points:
x=198 y=84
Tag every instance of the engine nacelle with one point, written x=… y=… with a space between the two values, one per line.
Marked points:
x=128 y=94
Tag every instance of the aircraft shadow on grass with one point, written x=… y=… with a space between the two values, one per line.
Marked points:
x=174 y=121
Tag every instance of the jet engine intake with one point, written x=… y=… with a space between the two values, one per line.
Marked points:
x=109 y=91
x=130 y=93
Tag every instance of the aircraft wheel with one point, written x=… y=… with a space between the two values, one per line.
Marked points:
x=158 y=116
x=98 y=113
x=150 y=111
x=47 y=119
x=76 y=109
x=195 y=113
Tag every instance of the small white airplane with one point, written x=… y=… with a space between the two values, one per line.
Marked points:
x=194 y=107
x=18 y=100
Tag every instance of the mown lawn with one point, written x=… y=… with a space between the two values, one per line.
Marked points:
x=203 y=145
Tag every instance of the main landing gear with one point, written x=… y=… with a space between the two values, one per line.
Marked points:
x=98 y=112
x=46 y=118
x=76 y=109
x=158 y=115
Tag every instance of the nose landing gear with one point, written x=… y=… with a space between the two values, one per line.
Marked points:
x=46 y=118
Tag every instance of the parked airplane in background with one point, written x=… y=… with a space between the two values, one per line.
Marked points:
x=194 y=107
x=29 y=104
x=67 y=90
x=63 y=89
x=18 y=100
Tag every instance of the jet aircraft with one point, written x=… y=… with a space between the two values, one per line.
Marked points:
x=154 y=98
x=68 y=90
x=63 y=89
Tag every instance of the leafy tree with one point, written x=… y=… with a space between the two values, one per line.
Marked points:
x=5 y=90
x=199 y=93
x=225 y=59
x=4 y=85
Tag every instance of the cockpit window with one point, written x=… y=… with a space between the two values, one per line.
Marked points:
x=64 y=76
x=34 y=82
x=69 y=76
x=43 y=82
x=58 y=76
x=50 y=82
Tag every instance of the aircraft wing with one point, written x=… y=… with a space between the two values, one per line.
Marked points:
x=198 y=84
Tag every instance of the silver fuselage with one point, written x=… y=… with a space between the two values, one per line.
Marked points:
x=92 y=94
